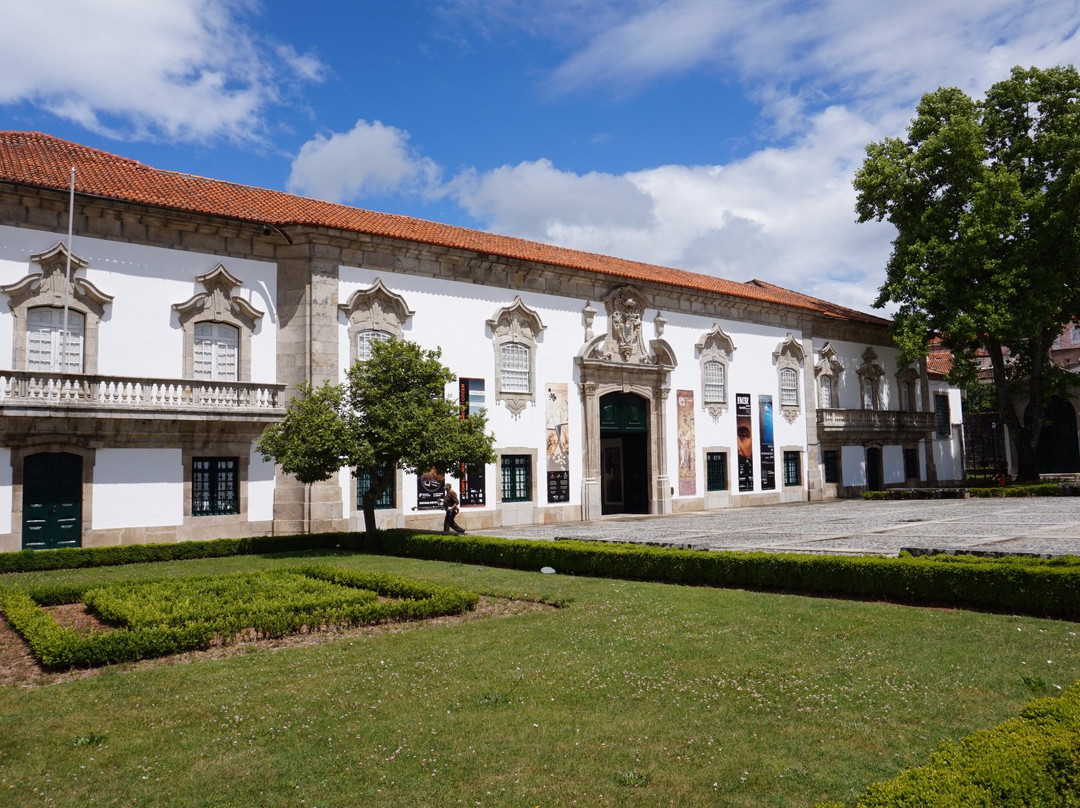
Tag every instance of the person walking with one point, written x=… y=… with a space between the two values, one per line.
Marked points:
x=450 y=504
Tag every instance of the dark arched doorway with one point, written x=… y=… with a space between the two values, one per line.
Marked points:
x=52 y=501
x=624 y=454
x=1058 y=451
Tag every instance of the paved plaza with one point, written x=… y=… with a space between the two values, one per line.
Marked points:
x=1044 y=526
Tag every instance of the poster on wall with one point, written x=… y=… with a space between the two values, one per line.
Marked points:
x=558 y=444
x=473 y=477
x=429 y=490
x=745 y=441
x=768 y=450
x=684 y=400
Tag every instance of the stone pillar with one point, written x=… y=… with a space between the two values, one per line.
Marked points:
x=931 y=464
x=661 y=499
x=590 y=452
x=307 y=350
x=815 y=485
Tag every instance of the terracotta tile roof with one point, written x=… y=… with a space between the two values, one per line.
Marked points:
x=36 y=159
x=938 y=364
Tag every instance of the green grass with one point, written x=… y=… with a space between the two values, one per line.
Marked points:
x=636 y=694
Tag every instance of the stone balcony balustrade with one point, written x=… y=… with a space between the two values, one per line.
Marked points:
x=35 y=392
x=884 y=421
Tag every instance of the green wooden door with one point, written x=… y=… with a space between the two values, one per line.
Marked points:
x=52 y=501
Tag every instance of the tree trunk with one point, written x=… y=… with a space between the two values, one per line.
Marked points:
x=1021 y=430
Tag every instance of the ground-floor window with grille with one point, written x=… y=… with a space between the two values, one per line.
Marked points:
x=716 y=471
x=363 y=485
x=792 y=465
x=516 y=478
x=214 y=486
x=830 y=459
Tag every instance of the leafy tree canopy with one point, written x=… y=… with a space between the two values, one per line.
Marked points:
x=985 y=198
x=391 y=413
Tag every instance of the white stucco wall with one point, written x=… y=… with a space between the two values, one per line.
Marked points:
x=138 y=488
x=260 y=489
x=140 y=334
x=7 y=501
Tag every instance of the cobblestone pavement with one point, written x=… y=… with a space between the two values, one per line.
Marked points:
x=1043 y=526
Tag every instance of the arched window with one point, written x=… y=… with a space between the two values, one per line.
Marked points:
x=216 y=352
x=789 y=387
x=514 y=368
x=826 y=392
x=47 y=347
x=366 y=338
x=715 y=387
x=869 y=393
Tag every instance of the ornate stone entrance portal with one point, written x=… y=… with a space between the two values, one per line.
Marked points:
x=623 y=376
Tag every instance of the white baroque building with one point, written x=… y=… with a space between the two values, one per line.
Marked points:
x=139 y=363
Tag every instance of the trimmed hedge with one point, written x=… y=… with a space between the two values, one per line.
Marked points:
x=62 y=647
x=77 y=557
x=1031 y=761
x=1019 y=588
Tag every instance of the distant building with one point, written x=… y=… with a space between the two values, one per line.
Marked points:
x=131 y=394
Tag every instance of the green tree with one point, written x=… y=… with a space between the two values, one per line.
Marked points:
x=985 y=198
x=390 y=413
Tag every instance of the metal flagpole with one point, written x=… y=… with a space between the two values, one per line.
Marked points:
x=67 y=275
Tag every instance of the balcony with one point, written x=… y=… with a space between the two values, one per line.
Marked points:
x=880 y=423
x=33 y=393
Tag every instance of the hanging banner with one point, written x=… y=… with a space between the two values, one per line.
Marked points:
x=684 y=400
x=768 y=450
x=473 y=477
x=558 y=444
x=744 y=441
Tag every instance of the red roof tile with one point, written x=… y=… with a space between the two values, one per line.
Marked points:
x=36 y=159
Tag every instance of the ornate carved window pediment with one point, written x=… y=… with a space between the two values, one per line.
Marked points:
x=372 y=314
x=216 y=303
x=514 y=330
x=715 y=349
x=789 y=356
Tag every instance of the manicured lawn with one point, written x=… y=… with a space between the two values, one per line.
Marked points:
x=634 y=695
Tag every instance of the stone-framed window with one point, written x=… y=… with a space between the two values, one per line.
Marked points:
x=215 y=486
x=716 y=471
x=907 y=382
x=216 y=352
x=37 y=304
x=911 y=463
x=789 y=357
x=373 y=314
x=210 y=320
x=830 y=463
x=515 y=330
x=792 y=469
x=366 y=339
x=516 y=475
x=828 y=370
x=942 y=418
x=870 y=381
x=715 y=350
x=50 y=347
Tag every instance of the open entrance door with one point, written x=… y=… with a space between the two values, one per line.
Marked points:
x=624 y=456
x=52 y=501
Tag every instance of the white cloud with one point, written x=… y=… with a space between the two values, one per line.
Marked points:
x=186 y=70
x=370 y=159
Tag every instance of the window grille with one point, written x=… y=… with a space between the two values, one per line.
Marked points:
x=514 y=368
x=214 y=486
x=715 y=390
x=363 y=485
x=792 y=468
x=716 y=471
x=830 y=459
x=516 y=478
x=941 y=415
x=367 y=338
x=789 y=388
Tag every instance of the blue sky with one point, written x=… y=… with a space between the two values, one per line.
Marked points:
x=719 y=136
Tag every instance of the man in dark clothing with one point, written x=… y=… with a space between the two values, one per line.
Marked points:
x=450 y=503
